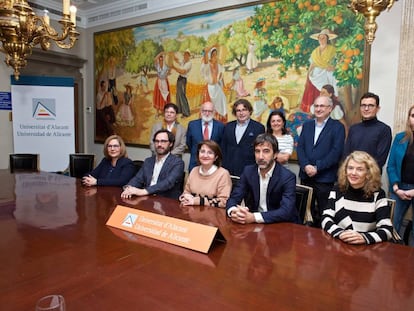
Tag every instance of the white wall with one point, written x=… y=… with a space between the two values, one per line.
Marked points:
x=383 y=73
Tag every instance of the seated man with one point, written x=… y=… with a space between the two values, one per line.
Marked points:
x=271 y=186
x=161 y=174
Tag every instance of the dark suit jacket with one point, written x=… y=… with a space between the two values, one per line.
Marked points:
x=237 y=155
x=169 y=182
x=325 y=154
x=280 y=196
x=106 y=175
x=195 y=135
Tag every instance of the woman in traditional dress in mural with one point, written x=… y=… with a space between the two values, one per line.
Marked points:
x=251 y=61
x=124 y=117
x=161 y=87
x=321 y=68
x=212 y=72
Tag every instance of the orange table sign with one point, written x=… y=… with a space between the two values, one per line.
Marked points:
x=175 y=231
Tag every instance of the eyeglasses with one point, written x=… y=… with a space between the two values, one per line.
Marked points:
x=320 y=106
x=369 y=106
x=161 y=141
x=241 y=110
x=113 y=146
x=207 y=111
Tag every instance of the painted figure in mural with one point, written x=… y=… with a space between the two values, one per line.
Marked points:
x=161 y=87
x=125 y=117
x=237 y=84
x=260 y=99
x=277 y=104
x=183 y=69
x=212 y=72
x=105 y=116
x=112 y=80
x=321 y=69
x=251 y=61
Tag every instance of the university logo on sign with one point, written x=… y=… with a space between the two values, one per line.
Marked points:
x=129 y=220
x=44 y=108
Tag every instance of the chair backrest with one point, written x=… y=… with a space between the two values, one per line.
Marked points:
x=234 y=180
x=395 y=234
x=303 y=203
x=138 y=164
x=80 y=164
x=23 y=162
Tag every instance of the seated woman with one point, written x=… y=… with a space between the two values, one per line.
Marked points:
x=207 y=184
x=115 y=168
x=357 y=211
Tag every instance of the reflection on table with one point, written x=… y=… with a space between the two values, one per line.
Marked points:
x=55 y=241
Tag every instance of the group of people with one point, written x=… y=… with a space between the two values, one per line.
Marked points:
x=345 y=175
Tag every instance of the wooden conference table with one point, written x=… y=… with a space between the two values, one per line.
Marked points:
x=54 y=241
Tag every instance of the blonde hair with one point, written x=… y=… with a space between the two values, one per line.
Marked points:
x=408 y=136
x=373 y=178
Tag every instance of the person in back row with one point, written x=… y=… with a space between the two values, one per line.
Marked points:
x=357 y=210
x=161 y=174
x=238 y=138
x=207 y=184
x=271 y=186
x=370 y=135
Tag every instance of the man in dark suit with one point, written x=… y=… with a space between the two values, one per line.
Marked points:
x=319 y=150
x=238 y=138
x=161 y=174
x=271 y=186
x=196 y=131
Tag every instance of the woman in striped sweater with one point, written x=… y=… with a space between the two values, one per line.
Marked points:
x=357 y=210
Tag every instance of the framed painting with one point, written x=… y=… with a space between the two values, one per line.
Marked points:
x=271 y=53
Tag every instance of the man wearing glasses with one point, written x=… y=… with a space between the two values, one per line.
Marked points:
x=161 y=174
x=319 y=150
x=370 y=135
x=202 y=129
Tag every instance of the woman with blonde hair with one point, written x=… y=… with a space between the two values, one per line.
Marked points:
x=357 y=210
x=115 y=169
x=400 y=170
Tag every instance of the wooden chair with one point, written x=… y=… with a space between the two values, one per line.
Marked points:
x=80 y=164
x=27 y=162
x=303 y=203
x=395 y=234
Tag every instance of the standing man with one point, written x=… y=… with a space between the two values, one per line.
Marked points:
x=238 y=138
x=202 y=129
x=271 y=186
x=370 y=135
x=161 y=174
x=319 y=150
x=181 y=97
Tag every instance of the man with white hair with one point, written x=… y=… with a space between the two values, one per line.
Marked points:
x=201 y=129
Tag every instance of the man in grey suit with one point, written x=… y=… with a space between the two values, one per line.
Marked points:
x=197 y=131
x=161 y=174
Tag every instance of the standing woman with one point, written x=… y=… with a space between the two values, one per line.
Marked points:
x=161 y=87
x=276 y=125
x=115 y=169
x=208 y=183
x=357 y=210
x=400 y=171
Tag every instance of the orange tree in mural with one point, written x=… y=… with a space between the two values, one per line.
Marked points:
x=285 y=28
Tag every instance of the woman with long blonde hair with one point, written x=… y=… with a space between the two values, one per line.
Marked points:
x=357 y=210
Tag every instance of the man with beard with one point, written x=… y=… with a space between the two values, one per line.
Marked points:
x=202 y=129
x=161 y=174
x=270 y=185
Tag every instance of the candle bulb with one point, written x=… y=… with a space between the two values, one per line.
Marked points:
x=73 y=14
x=66 y=4
x=46 y=18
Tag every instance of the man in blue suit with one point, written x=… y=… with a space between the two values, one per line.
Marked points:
x=197 y=131
x=319 y=150
x=238 y=138
x=270 y=185
x=161 y=174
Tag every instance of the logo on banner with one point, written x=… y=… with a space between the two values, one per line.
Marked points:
x=129 y=220
x=44 y=108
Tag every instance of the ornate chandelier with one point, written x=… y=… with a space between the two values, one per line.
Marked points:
x=21 y=30
x=370 y=9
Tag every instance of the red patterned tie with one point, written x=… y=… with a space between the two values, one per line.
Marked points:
x=205 y=133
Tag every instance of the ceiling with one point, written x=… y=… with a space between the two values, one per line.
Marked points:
x=93 y=13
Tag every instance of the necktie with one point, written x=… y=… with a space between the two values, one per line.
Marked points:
x=205 y=132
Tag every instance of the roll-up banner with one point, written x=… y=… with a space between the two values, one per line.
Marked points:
x=43 y=119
